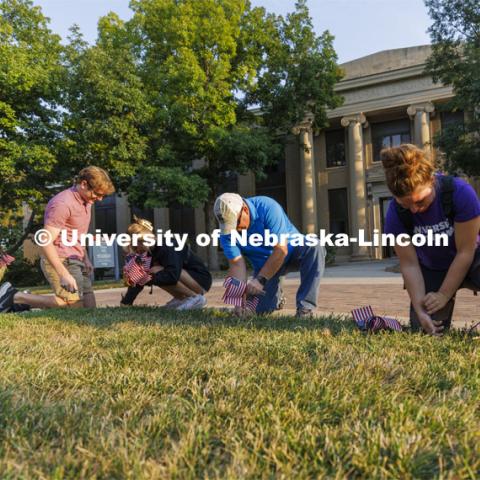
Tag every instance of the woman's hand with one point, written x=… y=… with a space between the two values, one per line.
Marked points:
x=430 y=327
x=434 y=301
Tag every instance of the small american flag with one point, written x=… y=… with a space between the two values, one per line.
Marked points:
x=367 y=320
x=234 y=294
x=252 y=302
x=136 y=270
x=362 y=315
x=384 y=323
x=6 y=260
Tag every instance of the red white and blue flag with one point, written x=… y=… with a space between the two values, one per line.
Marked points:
x=235 y=294
x=136 y=270
x=362 y=315
x=367 y=320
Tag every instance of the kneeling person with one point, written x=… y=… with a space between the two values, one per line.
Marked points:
x=67 y=268
x=256 y=215
x=180 y=273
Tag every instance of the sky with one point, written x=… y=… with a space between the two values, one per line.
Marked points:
x=360 y=27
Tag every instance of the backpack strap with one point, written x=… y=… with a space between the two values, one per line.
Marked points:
x=446 y=190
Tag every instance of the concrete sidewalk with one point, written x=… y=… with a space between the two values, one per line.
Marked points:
x=343 y=288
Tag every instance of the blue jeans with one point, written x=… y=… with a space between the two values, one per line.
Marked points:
x=310 y=261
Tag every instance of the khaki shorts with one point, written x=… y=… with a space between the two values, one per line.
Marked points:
x=77 y=270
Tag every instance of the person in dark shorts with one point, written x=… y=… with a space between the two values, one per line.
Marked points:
x=427 y=201
x=180 y=273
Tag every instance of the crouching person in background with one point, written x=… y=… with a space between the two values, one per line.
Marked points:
x=181 y=273
x=423 y=201
x=67 y=268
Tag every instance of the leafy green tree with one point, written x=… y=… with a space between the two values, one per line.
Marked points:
x=197 y=58
x=298 y=73
x=105 y=104
x=30 y=73
x=455 y=60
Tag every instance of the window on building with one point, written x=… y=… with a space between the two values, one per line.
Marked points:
x=338 y=210
x=449 y=119
x=335 y=140
x=389 y=134
x=274 y=183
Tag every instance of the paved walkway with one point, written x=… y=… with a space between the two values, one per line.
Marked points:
x=344 y=287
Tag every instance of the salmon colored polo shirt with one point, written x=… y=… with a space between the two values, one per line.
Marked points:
x=68 y=211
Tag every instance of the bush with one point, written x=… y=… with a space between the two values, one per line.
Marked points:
x=23 y=273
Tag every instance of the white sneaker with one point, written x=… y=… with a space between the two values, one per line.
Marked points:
x=174 y=303
x=193 y=303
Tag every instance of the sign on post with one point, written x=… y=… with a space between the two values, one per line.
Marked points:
x=105 y=256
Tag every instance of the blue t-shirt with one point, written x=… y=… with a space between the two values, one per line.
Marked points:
x=466 y=206
x=265 y=214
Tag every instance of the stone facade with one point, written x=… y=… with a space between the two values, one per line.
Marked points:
x=389 y=98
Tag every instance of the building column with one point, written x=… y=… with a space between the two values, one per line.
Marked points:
x=421 y=123
x=307 y=176
x=356 y=170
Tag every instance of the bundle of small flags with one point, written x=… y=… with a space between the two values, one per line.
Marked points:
x=366 y=320
x=235 y=294
x=6 y=260
x=136 y=270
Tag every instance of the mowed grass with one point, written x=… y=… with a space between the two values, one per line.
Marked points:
x=143 y=394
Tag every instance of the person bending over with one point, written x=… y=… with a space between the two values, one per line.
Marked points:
x=270 y=263
x=180 y=273
x=425 y=200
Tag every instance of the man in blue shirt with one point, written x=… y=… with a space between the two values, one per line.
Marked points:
x=257 y=218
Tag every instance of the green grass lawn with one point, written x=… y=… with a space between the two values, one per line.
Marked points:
x=141 y=393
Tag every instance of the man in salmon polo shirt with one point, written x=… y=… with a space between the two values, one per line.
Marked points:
x=66 y=268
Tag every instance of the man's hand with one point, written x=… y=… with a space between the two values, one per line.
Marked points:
x=254 y=287
x=434 y=301
x=429 y=326
x=88 y=266
x=68 y=283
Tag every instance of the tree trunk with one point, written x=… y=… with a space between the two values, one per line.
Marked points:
x=210 y=225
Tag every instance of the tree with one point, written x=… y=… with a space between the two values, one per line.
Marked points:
x=105 y=104
x=455 y=60
x=30 y=73
x=298 y=74
x=195 y=62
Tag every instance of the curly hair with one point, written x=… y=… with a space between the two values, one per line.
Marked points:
x=406 y=168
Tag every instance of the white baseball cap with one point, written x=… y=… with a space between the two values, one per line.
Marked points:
x=227 y=208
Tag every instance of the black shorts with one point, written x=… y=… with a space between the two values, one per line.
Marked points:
x=198 y=271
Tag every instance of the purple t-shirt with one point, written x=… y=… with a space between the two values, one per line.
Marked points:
x=466 y=206
x=68 y=211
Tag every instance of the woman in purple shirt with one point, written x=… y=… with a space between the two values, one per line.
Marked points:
x=424 y=200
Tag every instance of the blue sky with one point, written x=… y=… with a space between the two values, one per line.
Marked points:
x=360 y=27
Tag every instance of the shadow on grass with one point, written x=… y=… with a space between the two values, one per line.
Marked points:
x=209 y=317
